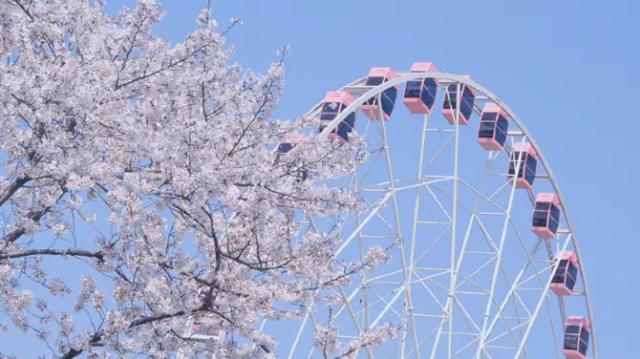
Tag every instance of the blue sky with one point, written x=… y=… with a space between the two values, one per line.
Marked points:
x=568 y=68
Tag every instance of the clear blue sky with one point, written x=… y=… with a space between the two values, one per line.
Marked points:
x=568 y=68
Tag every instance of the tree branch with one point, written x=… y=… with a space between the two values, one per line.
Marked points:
x=17 y=2
x=13 y=188
x=54 y=252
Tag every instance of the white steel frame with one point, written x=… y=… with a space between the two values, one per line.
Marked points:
x=483 y=335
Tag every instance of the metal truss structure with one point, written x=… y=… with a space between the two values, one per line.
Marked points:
x=466 y=278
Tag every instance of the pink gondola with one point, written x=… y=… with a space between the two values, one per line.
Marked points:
x=527 y=156
x=494 y=125
x=420 y=94
x=467 y=94
x=577 y=331
x=212 y=336
x=546 y=215
x=371 y=108
x=333 y=104
x=290 y=141
x=566 y=273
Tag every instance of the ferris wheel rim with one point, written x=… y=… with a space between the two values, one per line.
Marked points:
x=450 y=78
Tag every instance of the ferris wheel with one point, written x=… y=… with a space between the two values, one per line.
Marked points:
x=483 y=260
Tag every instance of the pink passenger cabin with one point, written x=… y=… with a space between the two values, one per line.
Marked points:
x=527 y=158
x=566 y=274
x=371 y=108
x=577 y=331
x=214 y=337
x=450 y=105
x=333 y=104
x=290 y=141
x=420 y=94
x=494 y=125
x=546 y=215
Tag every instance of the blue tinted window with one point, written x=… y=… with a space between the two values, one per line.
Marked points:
x=572 y=276
x=467 y=95
x=514 y=161
x=346 y=126
x=583 y=349
x=554 y=218
x=584 y=342
x=561 y=270
x=503 y=124
x=573 y=270
x=389 y=99
x=450 y=100
x=543 y=206
x=531 y=169
x=327 y=116
x=466 y=108
x=344 y=130
x=331 y=107
x=486 y=129
x=584 y=336
x=466 y=111
x=500 y=137
x=555 y=213
x=570 y=283
x=572 y=329
x=429 y=92
x=330 y=110
x=391 y=93
x=431 y=86
x=413 y=88
x=488 y=116
x=350 y=120
x=374 y=81
x=285 y=147
x=570 y=342
x=540 y=218
x=553 y=225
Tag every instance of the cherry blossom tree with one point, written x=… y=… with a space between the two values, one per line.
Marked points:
x=141 y=189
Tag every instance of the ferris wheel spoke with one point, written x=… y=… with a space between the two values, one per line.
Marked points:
x=400 y=239
x=388 y=306
x=434 y=243
x=354 y=320
x=303 y=325
x=426 y=287
x=360 y=227
x=539 y=304
x=499 y=255
x=442 y=148
x=414 y=229
x=518 y=282
x=456 y=272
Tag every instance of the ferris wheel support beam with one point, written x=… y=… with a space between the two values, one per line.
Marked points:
x=399 y=239
x=512 y=290
x=347 y=303
x=373 y=212
x=416 y=209
x=532 y=320
x=454 y=222
x=453 y=266
x=497 y=267
x=465 y=241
